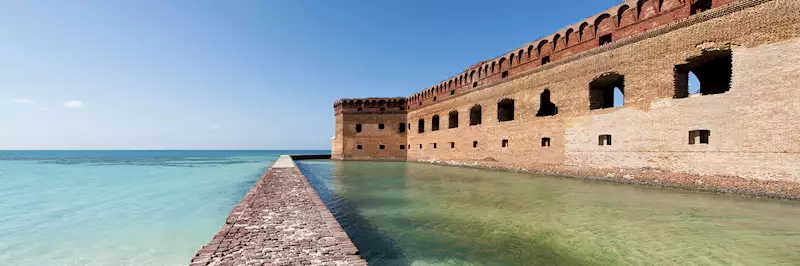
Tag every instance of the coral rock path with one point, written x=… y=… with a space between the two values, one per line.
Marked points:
x=281 y=221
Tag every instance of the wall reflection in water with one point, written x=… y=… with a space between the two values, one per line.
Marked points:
x=406 y=214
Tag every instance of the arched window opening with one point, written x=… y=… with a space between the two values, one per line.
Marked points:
x=700 y=6
x=485 y=70
x=500 y=65
x=546 y=107
x=452 y=119
x=492 y=68
x=450 y=84
x=475 y=115
x=600 y=25
x=475 y=144
x=421 y=126
x=511 y=61
x=607 y=91
x=541 y=46
x=480 y=72
x=471 y=75
x=435 y=123
x=567 y=36
x=582 y=30
x=620 y=13
x=519 y=55
x=712 y=74
x=530 y=49
x=555 y=41
x=505 y=110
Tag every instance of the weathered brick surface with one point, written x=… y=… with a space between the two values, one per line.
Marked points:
x=281 y=221
x=753 y=147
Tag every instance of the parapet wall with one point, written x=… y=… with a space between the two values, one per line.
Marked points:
x=560 y=117
x=631 y=18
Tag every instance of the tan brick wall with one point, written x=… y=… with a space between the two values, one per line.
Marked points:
x=753 y=126
x=371 y=137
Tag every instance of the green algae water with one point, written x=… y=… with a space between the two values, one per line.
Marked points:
x=119 y=207
x=419 y=214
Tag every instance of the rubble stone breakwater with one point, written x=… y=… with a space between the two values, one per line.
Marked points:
x=281 y=221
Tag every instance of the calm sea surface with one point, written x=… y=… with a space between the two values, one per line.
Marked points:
x=419 y=214
x=119 y=207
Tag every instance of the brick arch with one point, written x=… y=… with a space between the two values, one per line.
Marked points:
x=670 y=4
x=500 y=63
x=646 y=9
x=603 y=25
x=511 y=60
x=530 y=50
x=584 y=32
x=625 y=16
x=556 y=40
x=543 y=49
x=519 y=55
x=569 y=37
x=493 y=67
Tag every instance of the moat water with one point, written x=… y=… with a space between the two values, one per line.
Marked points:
x=419 y=214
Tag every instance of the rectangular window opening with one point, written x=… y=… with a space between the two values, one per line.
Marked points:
x=699 y=136
x=382 y=147
x=434 y=145
x=358 y=128
x=452 y=92
x=504 y=74
x=452 y=145
x=604 y=140
x=475 y=144
x=475 y=84
x=402 y=128
x=505 y=143
x=605 y=39
x=381 y=126
x=359 y=147
x=545 y=60
x=402 y=147
x=545 y=142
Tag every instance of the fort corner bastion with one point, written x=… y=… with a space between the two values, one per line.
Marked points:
x=549 y=106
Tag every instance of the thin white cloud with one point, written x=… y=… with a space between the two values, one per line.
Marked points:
x=74 y=104
x=23 y=101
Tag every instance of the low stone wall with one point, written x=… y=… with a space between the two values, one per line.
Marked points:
x=310 y=157
x=281 y=221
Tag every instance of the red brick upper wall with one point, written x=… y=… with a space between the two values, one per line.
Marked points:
x=370 y=105
x=630 y=18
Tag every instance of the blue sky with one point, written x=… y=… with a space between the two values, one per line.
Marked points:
x=236 y=74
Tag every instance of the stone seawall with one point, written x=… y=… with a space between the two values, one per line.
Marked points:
x=281 y=221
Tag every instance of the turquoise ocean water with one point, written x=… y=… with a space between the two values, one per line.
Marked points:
x=119 y=207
